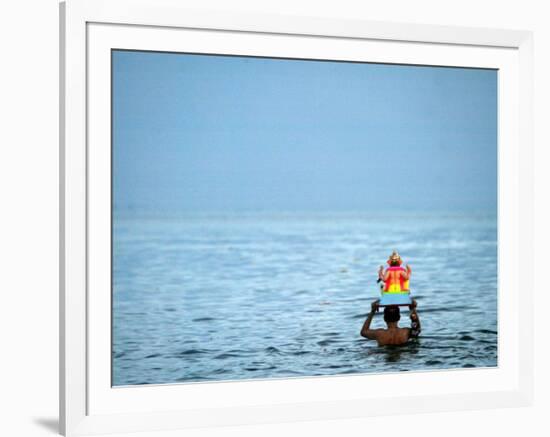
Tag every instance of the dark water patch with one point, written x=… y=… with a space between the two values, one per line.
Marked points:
x=170 y=309
x=272 y=350
x=192 y=379
x=188 y=352
x=300 y=353
x=438 y=337
x=444 y=309
x=252 y=369
x=119 y=354
x=203 y=319
x=393 y=356
x=486 y=331
x=288 y=372
x=467 y=338
x=468 y=365
x=126 y=367
x=434 y=348
x=433 y=362
x=155 y=355
x=226 y=355
x=327 y=341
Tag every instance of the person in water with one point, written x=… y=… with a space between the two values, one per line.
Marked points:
x=394 y=335
x=395 y=277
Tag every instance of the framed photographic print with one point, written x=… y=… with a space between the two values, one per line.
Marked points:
x=272 y=218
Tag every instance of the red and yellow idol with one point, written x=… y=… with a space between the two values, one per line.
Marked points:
x=396 y=278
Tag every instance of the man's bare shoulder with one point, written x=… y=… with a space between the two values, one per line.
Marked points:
x=372 y=334
x=398 y=337
x=406 y=333
x=377 y=332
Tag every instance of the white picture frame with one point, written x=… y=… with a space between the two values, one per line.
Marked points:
x=90 y=29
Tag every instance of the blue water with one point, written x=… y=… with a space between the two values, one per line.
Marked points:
x=232 y=297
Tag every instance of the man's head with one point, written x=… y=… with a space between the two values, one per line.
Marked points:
x=392 y=314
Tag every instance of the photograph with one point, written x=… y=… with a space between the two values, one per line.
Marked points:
x=292 y=218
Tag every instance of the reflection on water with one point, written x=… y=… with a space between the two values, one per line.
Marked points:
x=200 y=298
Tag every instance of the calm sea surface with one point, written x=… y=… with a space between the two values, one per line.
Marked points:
x=231 y=297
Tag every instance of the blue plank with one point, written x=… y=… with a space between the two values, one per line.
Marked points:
x=395 y=299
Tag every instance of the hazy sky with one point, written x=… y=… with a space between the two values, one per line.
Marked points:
x=216 y=133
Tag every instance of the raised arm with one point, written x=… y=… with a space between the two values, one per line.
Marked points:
x=381 y=273
x=406 y=274
x=366 y=332
x=415 y=321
